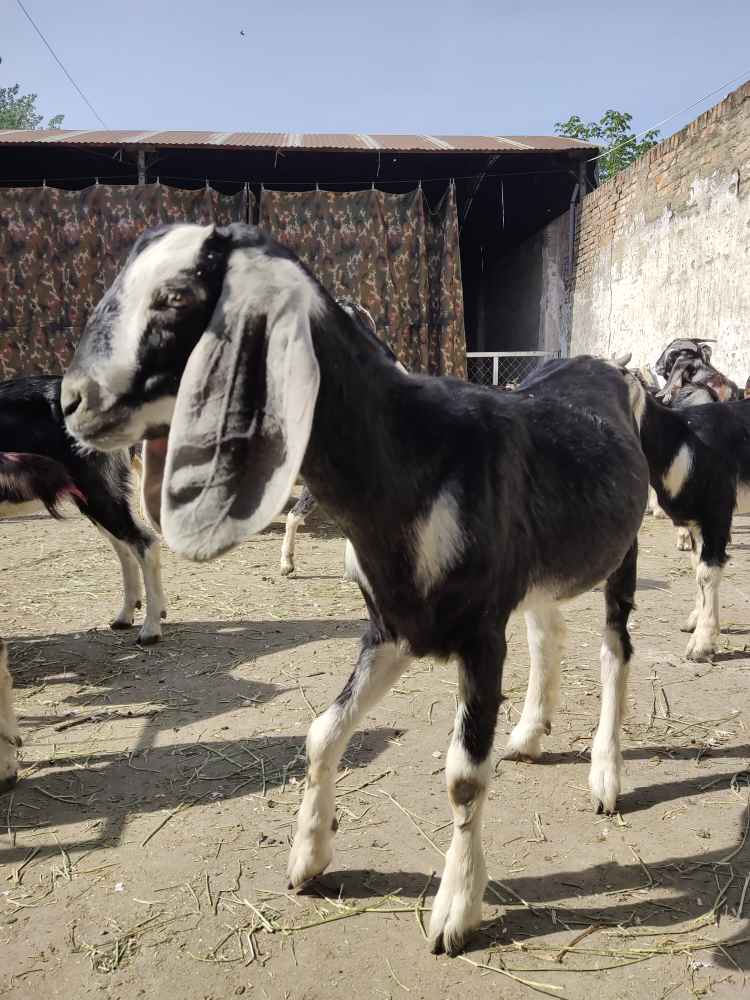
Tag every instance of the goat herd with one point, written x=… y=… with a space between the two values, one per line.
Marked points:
x=224 y=356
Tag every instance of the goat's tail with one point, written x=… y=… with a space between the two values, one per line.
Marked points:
x=25 y=477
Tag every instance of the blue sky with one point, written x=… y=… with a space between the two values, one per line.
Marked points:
x=474 y=67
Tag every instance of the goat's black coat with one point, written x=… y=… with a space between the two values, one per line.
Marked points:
x=28 y=477
x=31 y=420
x=519 y=465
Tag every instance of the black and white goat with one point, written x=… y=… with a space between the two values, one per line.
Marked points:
x=699 y=464
x=691 y=380
x=100 y=486
x=462 y=504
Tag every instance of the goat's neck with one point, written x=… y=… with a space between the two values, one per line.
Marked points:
x=662 y=432
x=351 y=457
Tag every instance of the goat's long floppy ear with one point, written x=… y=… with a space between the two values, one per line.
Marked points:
x=241 y=424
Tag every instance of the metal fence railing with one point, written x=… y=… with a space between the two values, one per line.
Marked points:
x=503 y=368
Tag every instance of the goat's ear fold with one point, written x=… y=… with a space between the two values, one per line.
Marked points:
x=241 y=425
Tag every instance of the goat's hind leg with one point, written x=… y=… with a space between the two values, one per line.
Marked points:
x=137 y=548
x=378 y=667
x=616 y=651
x=294 y=520
x=9 y=736
x=545 y=632
x=457 y=909
x=709 y=557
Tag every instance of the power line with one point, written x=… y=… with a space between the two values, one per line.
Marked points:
x=59 y=63
x=639 y=135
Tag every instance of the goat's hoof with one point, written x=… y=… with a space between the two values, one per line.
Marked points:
x=163 y=614
x=700 y=649
x=450 y=931
x=120 y=623
x=286 y=567
x=525 y=744
x=518 y=757
x=8 y=761
x=309 y=857
x=604 y=785
x=148 y=638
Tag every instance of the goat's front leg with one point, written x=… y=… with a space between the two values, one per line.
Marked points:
x=616 y=651
x=378 y=667
x=149 y=558
x=545 y=631
x=132 y=592
x=709 y=556
x=457 y=909
x=294 y=520
x=9 y=736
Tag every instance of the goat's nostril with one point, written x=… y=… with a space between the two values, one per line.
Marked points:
x=72 y=403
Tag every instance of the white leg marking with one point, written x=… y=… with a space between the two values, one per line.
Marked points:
x=376 y=672
x=696 y=548
x=705 y=639
x=606 y=758
x=677 y=474
x=684 y=542
x=353 y=572
x=545 y=632
x=287 y=546
x=9 y=736
x=438 y=541
x=653 y=504
x=156 y=603
x=457 y=910
x=131 y=582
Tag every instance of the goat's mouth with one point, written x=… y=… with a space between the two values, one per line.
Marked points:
x=121 y=425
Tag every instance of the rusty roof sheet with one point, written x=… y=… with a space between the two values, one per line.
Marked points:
x=349 y=141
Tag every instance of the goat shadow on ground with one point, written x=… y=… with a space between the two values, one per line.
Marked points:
x=690 y=885
x=202 y=671
x=115 y=788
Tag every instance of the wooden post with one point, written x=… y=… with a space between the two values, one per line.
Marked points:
x=141 y=166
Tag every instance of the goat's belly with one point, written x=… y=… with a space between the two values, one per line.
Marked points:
x=8 y=509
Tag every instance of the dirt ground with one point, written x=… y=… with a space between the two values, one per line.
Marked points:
x=142 y=854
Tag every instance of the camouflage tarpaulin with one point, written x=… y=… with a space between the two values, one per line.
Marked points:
x=59 y=250
x=390 y=253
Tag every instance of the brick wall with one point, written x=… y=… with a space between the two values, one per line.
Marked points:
x=663 y=249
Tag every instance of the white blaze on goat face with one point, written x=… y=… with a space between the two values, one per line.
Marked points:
x=677 y=474
x=438 y=541
x=160 y=262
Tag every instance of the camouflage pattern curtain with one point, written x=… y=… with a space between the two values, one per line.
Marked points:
x=391 y=254
x=59 y=250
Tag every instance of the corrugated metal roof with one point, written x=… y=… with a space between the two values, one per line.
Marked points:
x=350 y=142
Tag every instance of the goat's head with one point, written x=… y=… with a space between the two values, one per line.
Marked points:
x=204 y=336
x=682 y=348
x=696 y=372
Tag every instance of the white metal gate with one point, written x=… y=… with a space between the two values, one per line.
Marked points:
x=503 y=368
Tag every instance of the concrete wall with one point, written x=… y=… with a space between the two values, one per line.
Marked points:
x=523 y=298
x=663 y=249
